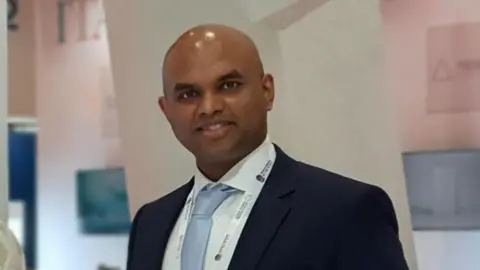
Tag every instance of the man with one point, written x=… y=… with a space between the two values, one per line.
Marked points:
x=249 y=205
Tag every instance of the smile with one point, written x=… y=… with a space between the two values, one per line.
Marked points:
x=216 y=130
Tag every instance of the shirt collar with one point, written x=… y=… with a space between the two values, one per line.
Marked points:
x=242 y=176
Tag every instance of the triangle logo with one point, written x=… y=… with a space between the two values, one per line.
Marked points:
x=442 y=72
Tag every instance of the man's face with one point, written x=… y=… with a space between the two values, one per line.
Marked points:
x=216 y=102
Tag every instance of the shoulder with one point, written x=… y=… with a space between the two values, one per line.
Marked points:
x=321 y=180
x=323 y=194
x=319 y=184
x=322 y=187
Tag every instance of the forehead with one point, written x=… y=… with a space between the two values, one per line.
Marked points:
x=204 y=64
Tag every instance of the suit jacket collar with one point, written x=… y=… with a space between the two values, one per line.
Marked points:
x=266 y=217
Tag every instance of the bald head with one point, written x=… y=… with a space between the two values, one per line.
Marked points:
x=211 y=42
x=216 y=96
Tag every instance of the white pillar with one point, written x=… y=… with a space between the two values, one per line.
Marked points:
x=71 y=80
x=3 y=113
x=331 y=107
x=337 y=104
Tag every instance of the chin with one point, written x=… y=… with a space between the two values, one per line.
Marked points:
x=219 y=150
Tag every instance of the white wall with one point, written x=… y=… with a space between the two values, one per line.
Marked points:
x=334 y=79
x=16 y=220
x=405 y=24
x=69 y=91
x=331 y=108
x=448 y=250
x=3 y=112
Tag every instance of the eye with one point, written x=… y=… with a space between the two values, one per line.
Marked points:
x=187 y=94
x=231 y=85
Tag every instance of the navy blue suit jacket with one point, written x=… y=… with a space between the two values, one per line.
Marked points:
x=304 y=219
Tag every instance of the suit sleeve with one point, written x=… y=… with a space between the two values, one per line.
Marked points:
x=132 y=238
x=370 y=238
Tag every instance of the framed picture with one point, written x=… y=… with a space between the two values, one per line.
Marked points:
x=102 y=201
x=443 y=188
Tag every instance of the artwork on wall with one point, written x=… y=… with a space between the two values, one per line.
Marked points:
x=102 y=201
x=453 y=62
x=443 y=189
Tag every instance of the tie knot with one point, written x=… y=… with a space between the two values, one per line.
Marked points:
x=209 y=199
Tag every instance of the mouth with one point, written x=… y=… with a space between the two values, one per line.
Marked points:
x=215 y=130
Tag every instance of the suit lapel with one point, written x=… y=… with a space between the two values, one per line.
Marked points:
x=267 y=215
x=168 y=217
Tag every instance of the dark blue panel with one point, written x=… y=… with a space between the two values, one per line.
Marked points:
x=22 y=183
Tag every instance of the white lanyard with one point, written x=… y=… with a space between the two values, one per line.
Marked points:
x=248 y=199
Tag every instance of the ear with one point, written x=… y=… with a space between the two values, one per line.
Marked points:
x=162 y=102
x=269 y=90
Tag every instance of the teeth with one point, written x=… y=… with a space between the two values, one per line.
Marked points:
x=214 y=127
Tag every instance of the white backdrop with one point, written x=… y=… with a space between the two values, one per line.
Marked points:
x=71 y=83
x=3 y=113
x=16 y=220
x=331 y=108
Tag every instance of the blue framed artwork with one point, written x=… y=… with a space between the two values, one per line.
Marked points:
x=102 y=201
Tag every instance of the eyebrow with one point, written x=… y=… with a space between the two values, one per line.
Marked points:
x=234 y=74
x=183 y=86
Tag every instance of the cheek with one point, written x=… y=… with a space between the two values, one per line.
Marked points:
x=180 y=121
x=252 y=114
x=250 y=101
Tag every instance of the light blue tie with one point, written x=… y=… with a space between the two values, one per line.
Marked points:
x=198 y=230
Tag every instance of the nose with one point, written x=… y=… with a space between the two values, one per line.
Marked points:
x=211 y=104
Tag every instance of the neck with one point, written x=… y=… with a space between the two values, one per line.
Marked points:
x=216 y=169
